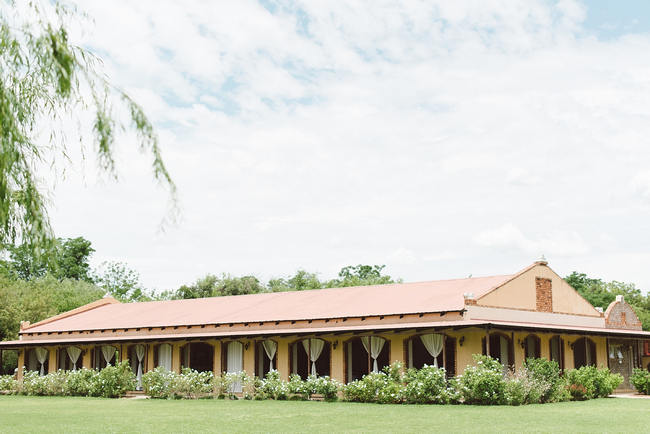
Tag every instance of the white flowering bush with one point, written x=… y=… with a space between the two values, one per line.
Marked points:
x=385 y=387
x=428 y=386
x=325 y=386
x=8 y=384
x=484 y=383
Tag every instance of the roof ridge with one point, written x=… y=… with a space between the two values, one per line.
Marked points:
x=85 y=308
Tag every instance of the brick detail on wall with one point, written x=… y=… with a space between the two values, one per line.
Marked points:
x=544 y=294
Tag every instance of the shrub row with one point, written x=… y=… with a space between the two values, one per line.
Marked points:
x=110 y=382
x=161 y=383
x=539 y=381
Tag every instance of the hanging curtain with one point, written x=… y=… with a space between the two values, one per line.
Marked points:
x=139 y=353
x=73 y=353
x=270 y=347
x=41 y=356
x=108 y=351
x=234 y=362
x=313 y=348
x=165 y=356
x=433 y=343
x=373 y=346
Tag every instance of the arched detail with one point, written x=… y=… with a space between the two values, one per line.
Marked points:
x=309 y=356
x=38 y=359
x=198 y=356
x=556 y=350
x=163 y=355
x=104 y=355
x=584 y=353
x=69 y=358
x=266 y=356
x=532 y=346
x=417 y=354
x=500 y=347
x=359 y=352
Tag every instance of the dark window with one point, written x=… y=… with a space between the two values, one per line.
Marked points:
x=358 y=360
x=556 y=347
x=531 y=347
x=584 y=353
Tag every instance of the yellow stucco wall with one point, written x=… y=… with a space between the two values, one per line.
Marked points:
x=520 y=293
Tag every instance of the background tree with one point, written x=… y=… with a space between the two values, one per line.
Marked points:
x=44 y=81
x=600 y=294
x=121 y=282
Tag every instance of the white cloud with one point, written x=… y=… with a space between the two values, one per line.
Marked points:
x=319 y=134
x=556 y=244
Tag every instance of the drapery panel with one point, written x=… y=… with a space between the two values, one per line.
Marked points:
x=235 y=362
x=433 y=343
x=165 y=356
x=313 y=348
x=41 y=356
x=270 y=347
x=108 y=351
x=73 y=354
x=373 y=346
x=139 y=354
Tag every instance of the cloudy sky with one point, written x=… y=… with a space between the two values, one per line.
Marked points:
x=439 y=138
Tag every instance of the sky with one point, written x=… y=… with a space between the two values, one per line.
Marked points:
x=442 y=139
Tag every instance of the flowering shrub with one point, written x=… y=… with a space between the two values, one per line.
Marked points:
x=590 y=382
x=297 y=388
x=114 y=381
x=273 y=387
x=547 y=377
x=428 y=386
x=8 y=384
x=640 y=380
x=82 y=382
x=161 y=383
x=323 y=386
x=484 y=383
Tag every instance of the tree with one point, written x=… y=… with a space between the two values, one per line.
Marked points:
x=44 y=81
x=601 y=294
x=300 y=281
x=121 y=282
x=68 y=258
x=361 y=275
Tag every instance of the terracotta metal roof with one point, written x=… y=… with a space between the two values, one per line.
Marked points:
x=404 y=298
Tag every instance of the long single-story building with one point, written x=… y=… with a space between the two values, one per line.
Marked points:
x=347 y=332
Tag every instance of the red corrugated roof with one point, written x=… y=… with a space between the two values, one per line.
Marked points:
x=405 y=298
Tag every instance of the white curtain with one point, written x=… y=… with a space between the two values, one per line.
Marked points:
x=139 y=353
x=433 y=343
x=165 y=356
x=235 y=362
x=41 y=356
x=108 y=351
x=73 y=353
x=313 y=348
x=373 y=346
x=270 y=347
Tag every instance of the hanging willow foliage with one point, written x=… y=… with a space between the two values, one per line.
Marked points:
x=44 y=79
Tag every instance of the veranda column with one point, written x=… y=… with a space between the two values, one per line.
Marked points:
x=217 y=369
x=249 y=357
x=151 y=362
x=21 y=363
x=176 y=357
x=51 y=360
x=397 y=349
x=337 y=371
x=282 y=356
x=86 y=362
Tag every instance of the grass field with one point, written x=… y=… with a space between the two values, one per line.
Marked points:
x=19 y=414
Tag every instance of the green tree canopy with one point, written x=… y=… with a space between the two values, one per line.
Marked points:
x=67 y=258
x=600 y=294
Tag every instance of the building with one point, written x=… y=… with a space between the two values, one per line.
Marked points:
x=347 y=332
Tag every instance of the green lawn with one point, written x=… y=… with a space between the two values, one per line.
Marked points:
x=36 y=414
